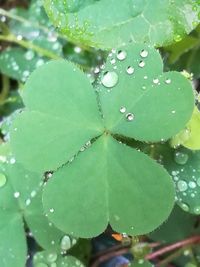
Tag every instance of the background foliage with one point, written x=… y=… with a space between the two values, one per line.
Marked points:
x=99 y=133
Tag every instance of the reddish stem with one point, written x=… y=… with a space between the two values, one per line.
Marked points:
x=191 y=240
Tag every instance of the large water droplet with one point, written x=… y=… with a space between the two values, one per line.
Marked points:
x=52 y=257
x=129 y=117
x=180 y=158
x=182 y=186
x=121 y=55
x=109 y=79
x=130 y=70
x=65 y=243
x=2 y=179
x=144 y=53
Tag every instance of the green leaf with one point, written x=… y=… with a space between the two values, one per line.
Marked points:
x=18 y=63
x=64 y=117
x=45 y=233
x=180 y=225
x=13 y=197
x=184 y=166
x=189 y=137
x=109 y=178
x=138 y=100
x=108 y=24
x=20 y=198
x=48 y=258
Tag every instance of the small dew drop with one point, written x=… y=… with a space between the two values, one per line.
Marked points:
x=16 y=194
x=96 y=70
x=28 y=202
x=110 y=79
x=144 y=53
x=192 y=184
x=130 y=70
x=52 y=257
x=122 y=110
x=129 y=117
x=12 y=161
x=156 y=81
x=29 y=55
x=121 y=55
x=197 y=210
x=141 y=64
x=168 y=81
x=113 y=61
x=51 y=210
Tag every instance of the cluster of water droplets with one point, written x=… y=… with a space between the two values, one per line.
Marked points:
x=187 y=181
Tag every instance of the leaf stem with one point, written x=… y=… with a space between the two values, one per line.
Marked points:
x=180 y=244
x=43 y=52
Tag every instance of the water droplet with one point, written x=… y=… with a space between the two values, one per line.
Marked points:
x=33 y=193
x=116 y=217
x=77 y=49
x=51 y=210
x=121 y=55
x=184 y=206
x=129 y=117
x=2 y=179
x=145 y=77
x=113 y=61
x=177 y=38
x=96 y=70
x=40 y=62
x=197 y=210
x=110 y=79
x=192 y=184
x=130 y=70
x=12 y=161
x=180 y=158
x=173 y=111
x=29 y=55
x=156 y=81
x=52 y=257
x=144 y=53
x=28 y=202
x=141 y=64
x=16 y=194
x=182 y=186
x=168 y=81
x=65 y=243
x=122 y=110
